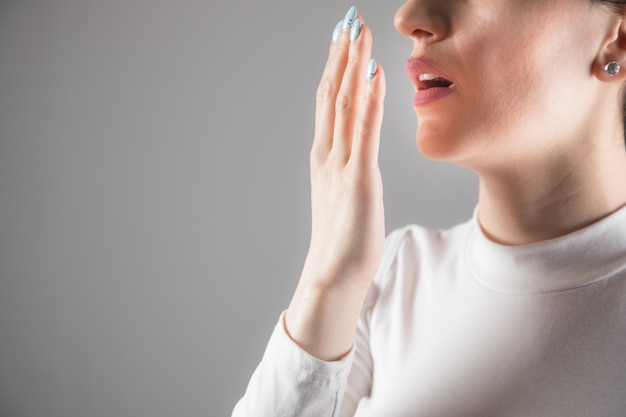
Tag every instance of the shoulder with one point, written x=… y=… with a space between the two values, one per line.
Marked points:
x=414 y=243
x=413 y=253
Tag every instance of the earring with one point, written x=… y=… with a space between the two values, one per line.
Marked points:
x=612 y=68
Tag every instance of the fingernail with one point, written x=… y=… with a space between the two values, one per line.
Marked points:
x=371 y=69
x=337 y=31
x=356 y=30
x=349 y=19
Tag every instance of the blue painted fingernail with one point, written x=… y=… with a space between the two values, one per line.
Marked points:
x=349 y=19
x=337 y=31
x=356 y=30
x=371 y=69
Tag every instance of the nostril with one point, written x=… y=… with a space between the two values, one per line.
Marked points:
x=422 y=34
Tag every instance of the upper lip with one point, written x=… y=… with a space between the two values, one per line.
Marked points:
x=421 y=71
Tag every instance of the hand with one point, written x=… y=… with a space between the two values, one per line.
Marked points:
x=348 y=230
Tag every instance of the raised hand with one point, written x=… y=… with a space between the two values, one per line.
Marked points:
x=348 y=231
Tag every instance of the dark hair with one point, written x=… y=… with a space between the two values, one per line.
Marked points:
x=619 y=7
x=616 y=5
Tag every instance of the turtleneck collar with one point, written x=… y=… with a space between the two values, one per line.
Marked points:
x=588 y=255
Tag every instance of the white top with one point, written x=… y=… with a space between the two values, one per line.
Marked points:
x=455 y=325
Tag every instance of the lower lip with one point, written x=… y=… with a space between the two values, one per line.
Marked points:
x=424 y=97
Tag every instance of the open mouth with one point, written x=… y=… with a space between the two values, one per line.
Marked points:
x=428 y=81
x=431 y=84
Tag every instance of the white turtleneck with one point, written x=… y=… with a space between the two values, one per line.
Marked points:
x=456 y=325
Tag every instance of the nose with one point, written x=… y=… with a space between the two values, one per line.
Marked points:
x=424 y=20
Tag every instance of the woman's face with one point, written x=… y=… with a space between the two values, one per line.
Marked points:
x=522 y=72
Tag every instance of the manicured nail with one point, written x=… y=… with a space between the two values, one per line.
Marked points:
x=356 y=30
x=371 y=69
x=349 y=19
x=337 y=31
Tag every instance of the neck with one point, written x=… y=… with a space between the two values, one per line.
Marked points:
x=553 y=198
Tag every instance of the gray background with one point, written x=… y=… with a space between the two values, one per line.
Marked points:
x=154 y=195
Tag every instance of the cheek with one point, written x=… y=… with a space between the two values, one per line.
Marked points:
x=515 y=92
x=496 y=104
x=512 y=87
x=535 y=87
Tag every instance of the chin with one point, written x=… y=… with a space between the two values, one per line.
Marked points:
x=439 y=143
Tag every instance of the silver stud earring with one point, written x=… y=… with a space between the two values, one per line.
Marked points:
x=612 y=68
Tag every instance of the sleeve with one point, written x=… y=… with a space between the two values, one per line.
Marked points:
x=291 y=383
x=360 y=377
x=359 y=388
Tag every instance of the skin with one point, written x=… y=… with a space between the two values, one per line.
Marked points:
x=534 y=115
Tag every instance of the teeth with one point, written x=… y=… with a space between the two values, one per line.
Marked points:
x=428 y=77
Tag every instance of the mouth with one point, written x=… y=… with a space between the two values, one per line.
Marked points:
x=426 y=81
x=431 y=84
x=426 y=76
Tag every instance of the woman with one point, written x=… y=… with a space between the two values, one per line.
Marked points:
x=522 y=310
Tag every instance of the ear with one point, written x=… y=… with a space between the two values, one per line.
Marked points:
x=613 y=50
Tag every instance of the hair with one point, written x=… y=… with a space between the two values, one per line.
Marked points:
x=618 y=7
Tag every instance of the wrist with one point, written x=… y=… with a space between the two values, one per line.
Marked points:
x=322 y=319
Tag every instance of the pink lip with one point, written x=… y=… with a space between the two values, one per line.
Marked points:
x=423 y=95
